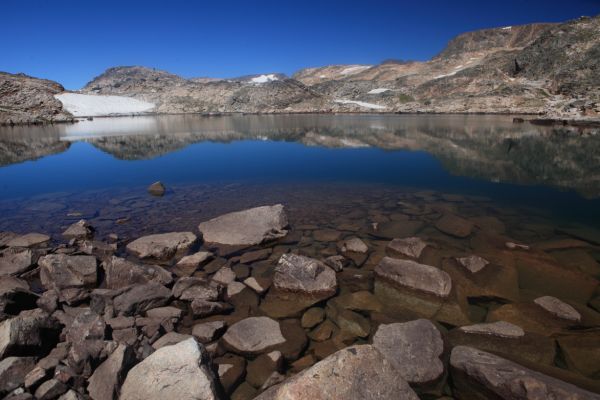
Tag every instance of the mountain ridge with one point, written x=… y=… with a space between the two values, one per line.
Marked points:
x=543 y=68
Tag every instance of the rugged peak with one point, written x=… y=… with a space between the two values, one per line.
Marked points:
x=505 y=38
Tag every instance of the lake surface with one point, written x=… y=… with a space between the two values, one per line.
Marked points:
x=51 y=175
x=525 y=198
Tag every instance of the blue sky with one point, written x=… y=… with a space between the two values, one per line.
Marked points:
x=73 y=41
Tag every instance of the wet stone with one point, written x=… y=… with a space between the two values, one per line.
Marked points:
x=354 y=245
x=157 y=189
x=253 y=335
x=473 y=263
x=411 y=247
x=454 y=225
x=312 y=317
x=558 y=308
x=161 y=246
x=415 y=276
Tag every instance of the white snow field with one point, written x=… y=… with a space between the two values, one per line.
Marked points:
x=88 y=105
x=378 y=91
x=264 y=78
x=361 y=103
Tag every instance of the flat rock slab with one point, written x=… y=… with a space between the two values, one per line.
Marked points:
x=121 y=273
x=60 y=271
x=558 y=308
x=473 y=263
x=161 y=246
x=177 y=372
x=13 y=371
x=500 y=328
x=246 y=228
x=478 y=374
x=304 y=275
x=357 y=372
x=16 y=261
x=253 y=335
x=29 y=240
x=138 y=299
x=454 y=225
x=413 y=348
x=411 y=247
x=415 y=276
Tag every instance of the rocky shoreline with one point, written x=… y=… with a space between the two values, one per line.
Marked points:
x=243 y=308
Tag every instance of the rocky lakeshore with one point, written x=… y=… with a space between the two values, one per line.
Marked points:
x=417 y=297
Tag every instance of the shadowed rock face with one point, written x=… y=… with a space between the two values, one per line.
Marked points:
x=27 y=100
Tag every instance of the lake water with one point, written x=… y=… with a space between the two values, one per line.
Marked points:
x=526 y=198
x=51 y=175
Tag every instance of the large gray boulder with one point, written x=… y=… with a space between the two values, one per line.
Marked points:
x=15 y=261
x=137 y=299
x=29 y=240
x=13 y=371
x=60 y=271
x=177 y=372
x=304 y=275
x=480 y=375
x=414 y=348
x=105 y=382
x=246 y=228
x=27 y=333
x=253 y=335
x=415 y=276
x=121 y=273
x=162 y=246
x=354 y=373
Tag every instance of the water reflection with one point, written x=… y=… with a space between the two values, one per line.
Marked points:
x=484 y=147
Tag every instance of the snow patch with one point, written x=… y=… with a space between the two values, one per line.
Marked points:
x=507 y=28
x=378 y=91
x=354 y=70
x=361 y=104
x=264 y=78
x=87 y=105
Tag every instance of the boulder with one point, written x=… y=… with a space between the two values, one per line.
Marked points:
x=202 y=308
x=353 y=245
x=162 y=246
x=414 y=348
x=137 y=299
x=414 y=276
x=312 y=317
x=208 y=331
x=396 y=229
x=189 y=264
x=357 y=372
x=15 y=261
x=581 y=352
x=105 y=382
x=121 y=273
x=246 y=228
x=50 y=390
x=13 y=371
x=29 y=240
x=530 y=317
x=179 y=372
x=304 y=275
x=169 y=339
x=60 y=271
x=157 y=189
x=500 y=328
x=29 y=333
x=480 y=375
x=253 y=336
x=15 y=296
x=411 y=247
x=196 y=289
x=231 y=370
x=79 y=230
x=262 y=367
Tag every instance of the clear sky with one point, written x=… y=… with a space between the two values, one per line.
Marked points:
x=73 y=41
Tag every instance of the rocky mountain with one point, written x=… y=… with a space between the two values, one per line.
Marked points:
x=24 y=99
x=550 y=69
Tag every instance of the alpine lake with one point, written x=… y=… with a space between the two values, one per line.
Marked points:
x=504 y=216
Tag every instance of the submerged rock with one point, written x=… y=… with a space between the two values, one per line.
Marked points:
x=499 y=328
x=157 y=189
x=454 y=225
x=246 y=228
x=253 y=335
x=161 y=246
x=178 y=372
x=473 y=263
x=304 y=275
x=411 y=247
x=478 y=374
x=558 y=308
x=415 y=276
x=79 y=230
x=357 y=372
x=413 y=348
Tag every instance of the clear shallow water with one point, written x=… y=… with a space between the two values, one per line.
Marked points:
x=548 y=171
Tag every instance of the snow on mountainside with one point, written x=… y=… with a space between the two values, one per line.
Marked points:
x=264 y=78
x=86 y=105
